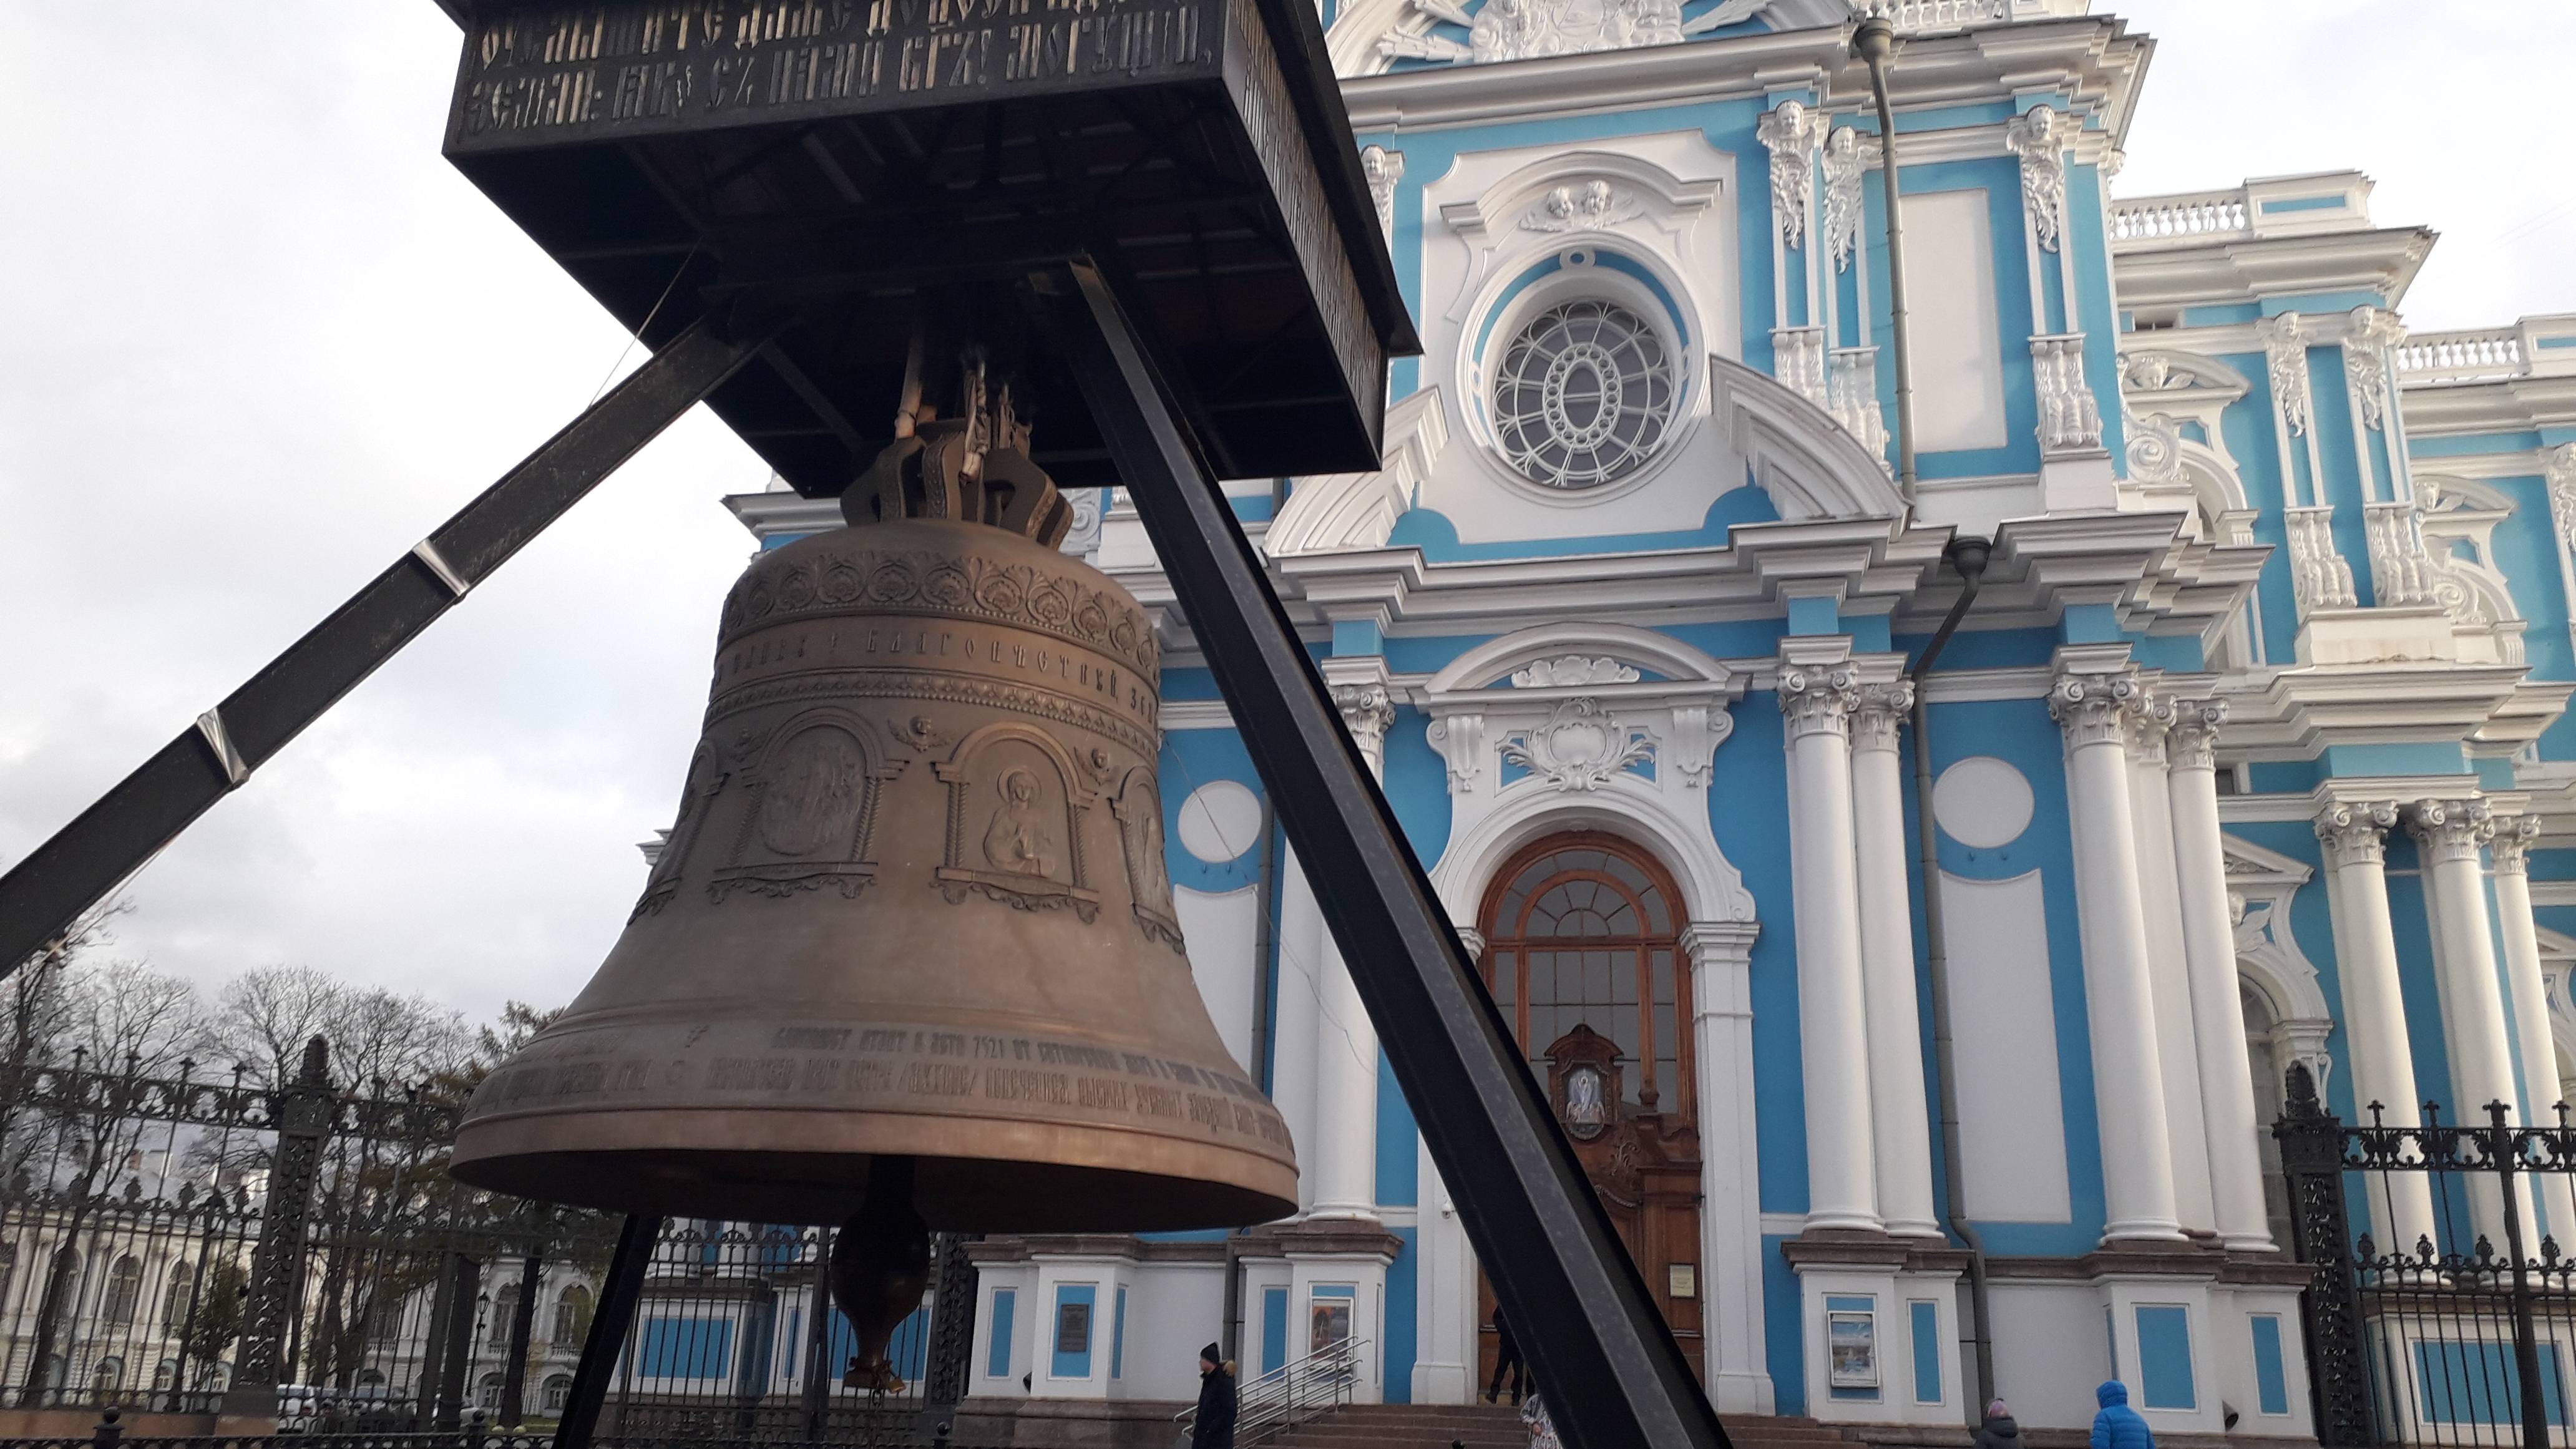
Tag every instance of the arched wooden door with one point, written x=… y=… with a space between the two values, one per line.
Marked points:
x=1583 y=954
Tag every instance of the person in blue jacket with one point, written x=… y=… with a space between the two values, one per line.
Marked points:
x=2118 y=1426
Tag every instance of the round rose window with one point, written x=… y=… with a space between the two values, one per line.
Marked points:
x=1584 y=395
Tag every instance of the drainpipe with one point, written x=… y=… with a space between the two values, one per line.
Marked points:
x=1874 y=42
x=1968 y=556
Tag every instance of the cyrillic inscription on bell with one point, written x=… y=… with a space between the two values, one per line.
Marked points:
x=914 y=906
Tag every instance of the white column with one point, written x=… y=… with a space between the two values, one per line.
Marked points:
x=2168 y=977
x=2529 y=993
x=1345 y=1040
x=2209 y=956
x=1901 y=1120
x=2450 y=834
x=1730 y=1211
x=1833 y=1037
x=2094 y=707
x=1303 y=942
x=2374 y=1007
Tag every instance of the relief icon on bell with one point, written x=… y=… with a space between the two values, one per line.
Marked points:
x=913 y=909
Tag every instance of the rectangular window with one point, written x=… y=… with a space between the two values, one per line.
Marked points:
x=2474 y=1383
x=2164 y=1357
x=1073 y=1303
x=685 y=1348
x=2271 y=1386
x=1923 y=1323
x=1274 y=1329
x=1118 y=1335
x=997 y=1349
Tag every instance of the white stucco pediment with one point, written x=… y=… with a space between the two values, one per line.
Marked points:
x=1809 y=464
x=1358 y=510
x=2260 y=884
x=1576 y=725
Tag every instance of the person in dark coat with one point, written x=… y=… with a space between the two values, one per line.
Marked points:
x=1507 y=1360
x=1998 y=1431
x=1214 y=1426
x=2118 y=1426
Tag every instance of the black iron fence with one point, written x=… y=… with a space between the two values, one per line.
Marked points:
x=178 y=1246
x=2443 y=1311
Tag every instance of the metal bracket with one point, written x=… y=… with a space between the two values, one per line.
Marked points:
x=427 y=552
x=211 y=725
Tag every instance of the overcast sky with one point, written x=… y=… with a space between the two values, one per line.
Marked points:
x=256 y=339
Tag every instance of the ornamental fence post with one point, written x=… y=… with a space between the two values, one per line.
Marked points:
x=952 y=1337
x=2320 y=1233
x=303 y=1117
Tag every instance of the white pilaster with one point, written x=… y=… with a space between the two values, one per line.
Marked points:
x=1900 y=1120
x=1730 y=1212
x=1345 y=1146
x=2168 y=977
x=1816 y=696
x=2093 y=700
x=2209 y=955
x=2383 y=1064
x=1302 y=944
x=2530 y=997
x=2451 y=834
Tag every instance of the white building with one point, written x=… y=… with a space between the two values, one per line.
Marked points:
x=2251 y=751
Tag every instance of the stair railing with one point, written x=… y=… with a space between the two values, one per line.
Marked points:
x=1297 y=1392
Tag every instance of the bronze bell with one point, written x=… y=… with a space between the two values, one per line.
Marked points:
x=914 y=907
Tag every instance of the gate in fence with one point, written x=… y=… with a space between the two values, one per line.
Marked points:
x=2443 y=1310
x=187 y=1246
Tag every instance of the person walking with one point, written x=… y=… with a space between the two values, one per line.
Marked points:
x=2118 y=1426
x=1998 y=1431
x=1214 y=1426
x=1507 y=1360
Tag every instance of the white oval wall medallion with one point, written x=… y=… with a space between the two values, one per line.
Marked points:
x=1981 y=802
x=1220 y=821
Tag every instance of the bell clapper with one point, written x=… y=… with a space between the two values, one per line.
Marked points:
x=880 y=1265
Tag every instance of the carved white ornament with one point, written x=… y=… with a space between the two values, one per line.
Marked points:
x=1572 y=669
x=1383 y=168
x=1579 y=747
x=2040 y=137
x=1528 y=29
x=2375 y=333
x=1798 y=360
x=2069 y=419
x=1851 y=395
x=1591 y=206
x=2401 y=572
x=1849 y=155
x=2559 y=466
x=2155 y=449
x=1793 y=135
x=2285 y=353
x=2318 y=574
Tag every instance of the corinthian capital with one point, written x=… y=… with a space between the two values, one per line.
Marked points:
x=2096 y=709
x=2450 y=830
x=2149 y=727
x=2514 y=837
x=1819 y=699
x=2191 y=743
x=2352 y=831
x=1878 y=712
x=1367 y=711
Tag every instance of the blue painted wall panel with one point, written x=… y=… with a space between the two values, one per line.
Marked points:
x=2164 y=1357
x=2271 y=1381
x=997 y=1351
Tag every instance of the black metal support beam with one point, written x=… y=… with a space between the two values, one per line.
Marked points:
x=42 y=895
x=1610 y=1371
x=611 y=1318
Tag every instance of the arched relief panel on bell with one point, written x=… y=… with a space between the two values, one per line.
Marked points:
x=1638 y=245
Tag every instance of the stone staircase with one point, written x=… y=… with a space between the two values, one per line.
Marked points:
x=1485 y=1426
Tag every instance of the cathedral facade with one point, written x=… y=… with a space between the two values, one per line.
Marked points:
x=2250 y=749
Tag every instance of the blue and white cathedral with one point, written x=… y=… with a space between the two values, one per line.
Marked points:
x=2250 y=751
